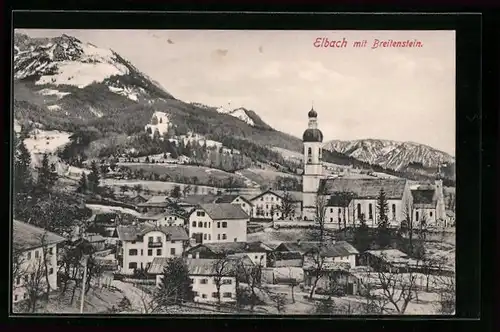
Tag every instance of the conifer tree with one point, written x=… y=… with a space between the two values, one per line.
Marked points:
x=175 y=285
x=82 y=184
x=47 y=176
x=94 y=177
x=23 y=179
x=383 y=232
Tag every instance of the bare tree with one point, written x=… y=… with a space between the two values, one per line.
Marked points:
x=317 y=262
x=221 y=268
x=187 y=190
x=345 y=198
x=34 y=284
x=278 y=299
x=375 y=304
x=293 y=283
x=407 y=225
x=447 y=295
x=286 y=208
x=252 y=276
x=319 y=215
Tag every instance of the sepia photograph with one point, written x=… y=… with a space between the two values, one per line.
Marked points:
x=233 y=172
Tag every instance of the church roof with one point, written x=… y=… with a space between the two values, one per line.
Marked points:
x=365 y=188
x=312 y=135
x=424 y=198
x=312 y=113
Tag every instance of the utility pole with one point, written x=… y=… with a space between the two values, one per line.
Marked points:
x=83 y=282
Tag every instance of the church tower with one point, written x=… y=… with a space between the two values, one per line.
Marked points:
x=313 y=168
x=440 y=205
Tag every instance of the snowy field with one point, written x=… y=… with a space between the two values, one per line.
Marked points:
x=46 y=141
x=97 y=208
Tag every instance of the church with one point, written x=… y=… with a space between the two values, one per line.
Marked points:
x=347 y=200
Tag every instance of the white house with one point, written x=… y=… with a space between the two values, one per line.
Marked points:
x=170 y=217
x=159 y=123
x=332 y=252
x=223 y=222
x=203 y=275
x=245 y=204
x=156 y=204
x=268 y=205
x=428 y=205
x=256 y=251
x=29 y=245
x=140 y=244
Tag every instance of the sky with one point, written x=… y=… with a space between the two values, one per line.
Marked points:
x=402 y=94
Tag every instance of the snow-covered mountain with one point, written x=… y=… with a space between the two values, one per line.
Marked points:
x=390 y=154
x=240 y=113
x=64 y=70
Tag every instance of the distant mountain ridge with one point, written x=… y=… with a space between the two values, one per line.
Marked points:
x=390 y=154
x=66 y=84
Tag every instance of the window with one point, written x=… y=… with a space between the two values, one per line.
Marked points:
x=218 y=224
x=218 y=236
x=29 y=255
x=158 y=252
x=51 y=270
x=200 y=224
x=430 y=214
x=359 y=210
x=51 y=250
x=132 y=252
x=235 y=239
x=150 y=252
x=267 y=206
x=150 y=239
x=227 y=295
x=15 y=297
x=224 y=224
x=196 y=294
x=25 y=295
x=204 y=236
x=158 y=239
x=36 y=253
x=203 y=296
x=272 y=199
x=393 y=211
x=172 y=242
x=224 y=236
x=192 y=280
x=340 y=212
x=209 y=225
x=172 y=251
x=331 y=219
x=132 y=265
x=200 y=213
x=209 y=237
x=227 y=281
x=262 y=198
x=142 y=252
x=261 y=257
x=203 y=281
x=18 y=280
x=215 y=295
x=331 y=210
x=243 y=205
x=309 y=151
x=256 y=257
x=205 y=224
x=370 y=211
x=416 y=215
x=194 y=224
x=133 y=242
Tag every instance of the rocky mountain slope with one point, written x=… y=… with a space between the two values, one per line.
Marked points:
x=390 y=154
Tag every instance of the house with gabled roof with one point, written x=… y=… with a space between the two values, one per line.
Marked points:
x=169 y=217
x=245 y=204
x=30 y=244
x=203 y=273
x=255 y=251
x=218 y=222
x=139 y=244
x=268 y=204
x=155 y=204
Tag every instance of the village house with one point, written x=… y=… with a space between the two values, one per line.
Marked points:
x=138 y=199
x=388 y=260
x=98 y=242
x=30 y=243
x=364 y=194
x=255 y=251
x=245 y=204
x=140 y=244
x=224 y=222
x=334 y=279
x=190 y=202
x=429 y=206
x=157 y=204
x=159 y=123
x=202 y=273
x=337 y=210
x=268 y=205
x=331 y=252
